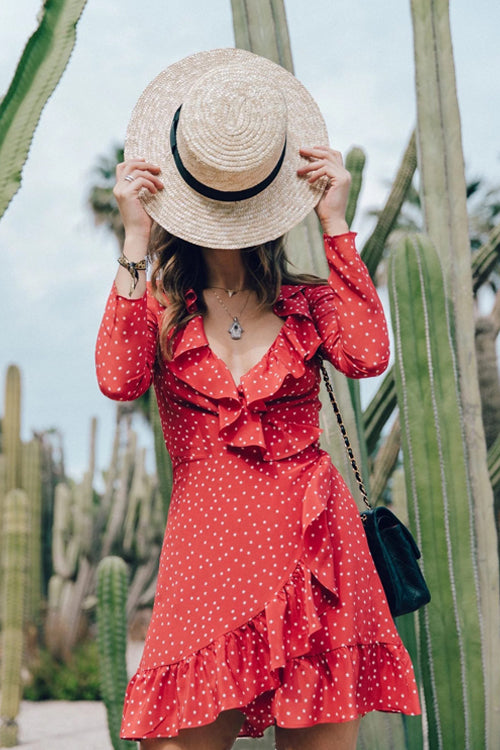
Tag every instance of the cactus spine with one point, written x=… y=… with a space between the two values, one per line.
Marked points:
x=443 y=193
x=112 y=575
x=438 y=496
x=14 y=560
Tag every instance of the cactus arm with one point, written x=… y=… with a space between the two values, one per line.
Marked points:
x=11 y=428
x=163 y=462
x=14 y=562
x=379 y=410
x=355 y=164
x=384 y=463
x=439 y=499
x=112 y=584
x=38 y=72
x=31 y=471
x=355 y=393
x=262 y=28
x=120 y=499
x=374 y=247
x=65 y=542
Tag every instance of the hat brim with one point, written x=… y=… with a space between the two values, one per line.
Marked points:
x=210 y=223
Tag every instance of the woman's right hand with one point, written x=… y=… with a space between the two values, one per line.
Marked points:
x=136 y=221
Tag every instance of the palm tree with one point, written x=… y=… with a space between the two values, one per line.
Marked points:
x=101 y=200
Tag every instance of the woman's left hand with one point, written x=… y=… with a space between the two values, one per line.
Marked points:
x=325 y=162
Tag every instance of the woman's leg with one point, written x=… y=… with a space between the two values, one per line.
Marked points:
x=220 y=735
x=342 y=736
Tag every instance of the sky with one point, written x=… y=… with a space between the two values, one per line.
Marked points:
x=356 y=59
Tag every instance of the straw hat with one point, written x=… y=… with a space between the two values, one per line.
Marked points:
x=225 y=127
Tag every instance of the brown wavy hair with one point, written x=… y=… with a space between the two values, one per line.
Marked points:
x=179 y=266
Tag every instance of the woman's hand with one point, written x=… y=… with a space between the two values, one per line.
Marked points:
x=136 y=221
x=325 y=162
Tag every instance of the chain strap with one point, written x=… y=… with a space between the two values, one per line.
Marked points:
x=344 y=435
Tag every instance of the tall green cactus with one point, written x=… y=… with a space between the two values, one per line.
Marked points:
x=14 y=556
x=355 y=164
x=112 y=581
x=38 y=72
x=439 y=499
x=374 y=246
x=443 y=190
x=11 y=428
x=163 y=462
x=31 y=482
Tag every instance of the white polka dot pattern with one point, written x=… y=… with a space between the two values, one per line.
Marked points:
x=267 y=598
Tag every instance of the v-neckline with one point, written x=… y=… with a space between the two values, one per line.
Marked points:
x=239 y=384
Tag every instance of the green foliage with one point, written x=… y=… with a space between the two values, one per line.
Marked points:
x=38 y=72
x=75 y=680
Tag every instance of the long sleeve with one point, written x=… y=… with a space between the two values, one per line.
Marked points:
x=126 y=346
x=348 y=314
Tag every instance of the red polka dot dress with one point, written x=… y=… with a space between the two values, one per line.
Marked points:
x=267 y=597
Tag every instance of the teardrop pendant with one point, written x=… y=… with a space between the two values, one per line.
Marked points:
x=235 y=330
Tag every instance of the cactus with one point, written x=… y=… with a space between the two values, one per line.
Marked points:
x=354 y=163
x=14 y=563
x=379 y=410
x=438 y=496
x=112 y=576
x=38 y=72
x=374 y=246
x=384 y=462
x=31 y=482
x=443 y=193
x=163 y=462
x=11 y=428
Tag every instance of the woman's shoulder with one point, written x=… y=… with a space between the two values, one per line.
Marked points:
x=156 y=302
x=310 y=290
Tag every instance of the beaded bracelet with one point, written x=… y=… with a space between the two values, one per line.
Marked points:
x=133 y=269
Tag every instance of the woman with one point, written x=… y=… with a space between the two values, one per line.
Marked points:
x=268 y=608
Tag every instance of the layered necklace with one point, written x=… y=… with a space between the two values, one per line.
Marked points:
x=235 y=330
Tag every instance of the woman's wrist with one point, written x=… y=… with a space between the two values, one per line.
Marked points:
x=334 y=226
x=135 y=247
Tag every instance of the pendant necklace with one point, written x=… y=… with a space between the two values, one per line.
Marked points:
x=229 y=292
x=235 y=330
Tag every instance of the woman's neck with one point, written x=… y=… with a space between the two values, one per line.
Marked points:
x=225 y=269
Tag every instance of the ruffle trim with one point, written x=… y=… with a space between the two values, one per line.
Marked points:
x=245 y=412
x=268 y=669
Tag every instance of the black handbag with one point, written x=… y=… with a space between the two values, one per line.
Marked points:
x=392 y=547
